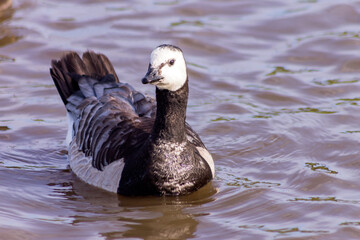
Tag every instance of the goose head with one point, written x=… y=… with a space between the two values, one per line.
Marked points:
x=167 y=68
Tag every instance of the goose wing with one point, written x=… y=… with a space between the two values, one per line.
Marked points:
x=200 y=149
x=113 y=119
x=107 y=119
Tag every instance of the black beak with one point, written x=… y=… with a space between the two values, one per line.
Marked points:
x=151 y=76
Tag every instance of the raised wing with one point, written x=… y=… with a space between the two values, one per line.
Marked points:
x=112 y=119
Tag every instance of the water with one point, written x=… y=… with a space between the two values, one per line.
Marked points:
x=274 y=94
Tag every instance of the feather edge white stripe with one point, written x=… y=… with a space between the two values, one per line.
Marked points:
x=204 y=153
x=107 y=179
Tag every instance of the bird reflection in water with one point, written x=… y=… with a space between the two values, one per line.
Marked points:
x=149 y=217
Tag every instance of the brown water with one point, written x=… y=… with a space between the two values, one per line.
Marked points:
x=275 y=94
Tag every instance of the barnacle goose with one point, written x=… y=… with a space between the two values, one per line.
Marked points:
x=123 y=141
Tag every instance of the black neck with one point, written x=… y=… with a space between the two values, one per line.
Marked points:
x=171 y=114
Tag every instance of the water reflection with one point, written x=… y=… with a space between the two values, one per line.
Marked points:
x=148 y=217
x=171 y=223
x=4 y=5
x=171 y=220
x=7 y=35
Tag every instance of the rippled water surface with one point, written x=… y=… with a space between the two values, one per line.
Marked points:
x=274 y=94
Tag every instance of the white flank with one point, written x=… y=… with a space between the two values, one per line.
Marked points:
x=70 y=131
x=208 y=158
x=107 y=179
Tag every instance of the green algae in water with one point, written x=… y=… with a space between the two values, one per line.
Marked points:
x=335 y=81
x=43 y=86
x=247 y=183
x=262 y=116
x=267 y=115
x=222 y=119
x=184 y=22
x=294 y=229
x=347 y=34
x=70 y=19
x=350 y=99
x=280 y=69
x=196 y=65
x=324 y=199
x=315 y=110
x=169 y=3
x=316 y=199
x=4 y=128
x=317 y=167
x=283 y=230
x=356 y=131
x=350 y=224
x=116 y=9
x=4 y=58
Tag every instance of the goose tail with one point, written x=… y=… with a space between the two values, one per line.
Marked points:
x=74 y=78
x=67 y=71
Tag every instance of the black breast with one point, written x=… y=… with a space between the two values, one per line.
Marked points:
x=165 y=168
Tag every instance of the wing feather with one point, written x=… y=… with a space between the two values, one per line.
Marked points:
x=109 y=128
x=110 y=119
x=193 y=137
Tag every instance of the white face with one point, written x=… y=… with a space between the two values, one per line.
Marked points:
x=167 y=69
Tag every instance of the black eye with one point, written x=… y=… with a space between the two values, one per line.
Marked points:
x=171 y=62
